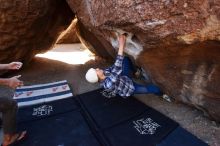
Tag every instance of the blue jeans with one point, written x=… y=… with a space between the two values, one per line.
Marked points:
x=128 y=70
x=127 y=67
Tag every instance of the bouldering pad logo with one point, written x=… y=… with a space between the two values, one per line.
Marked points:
x=108 y=93
x=146 y=126
x=42 y=110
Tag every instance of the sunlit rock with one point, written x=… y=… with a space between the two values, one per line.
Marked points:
x=69 y=35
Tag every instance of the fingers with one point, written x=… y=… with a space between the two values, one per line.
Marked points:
x=16 y=82
x=18 y=65
x=21 y=83
x=122 y=39
x=15 y=65
x=123 y=36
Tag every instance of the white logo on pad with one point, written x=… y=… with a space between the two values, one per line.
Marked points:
x=42 y=110
x=146 y=126
x=108 y=93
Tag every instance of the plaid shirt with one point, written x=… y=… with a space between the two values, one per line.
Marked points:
x=115 y=82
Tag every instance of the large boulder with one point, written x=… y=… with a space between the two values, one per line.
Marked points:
x=28 y=27
x=190 y=73
x=177 y=43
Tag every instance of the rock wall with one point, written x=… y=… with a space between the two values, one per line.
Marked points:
x=190 y=73
x=177 y=43
x=69 y=35
x=28 y=27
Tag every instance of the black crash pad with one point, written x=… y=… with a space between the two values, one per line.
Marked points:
x=181 y=137
x=91 y=119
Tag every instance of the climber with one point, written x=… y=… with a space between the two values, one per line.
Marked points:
x=8 y=107
x=117 y=79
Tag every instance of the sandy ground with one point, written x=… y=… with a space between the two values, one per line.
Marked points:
x=42 y=70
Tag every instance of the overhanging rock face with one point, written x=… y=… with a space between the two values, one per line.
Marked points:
x=177 y=43
x=28 y=27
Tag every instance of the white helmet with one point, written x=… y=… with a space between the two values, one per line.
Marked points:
x=91 y=76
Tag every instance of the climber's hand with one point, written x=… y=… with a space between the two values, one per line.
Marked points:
x=122 y=41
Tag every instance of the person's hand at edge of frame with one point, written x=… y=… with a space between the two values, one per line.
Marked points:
x=14 y=65
x=14 y=82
